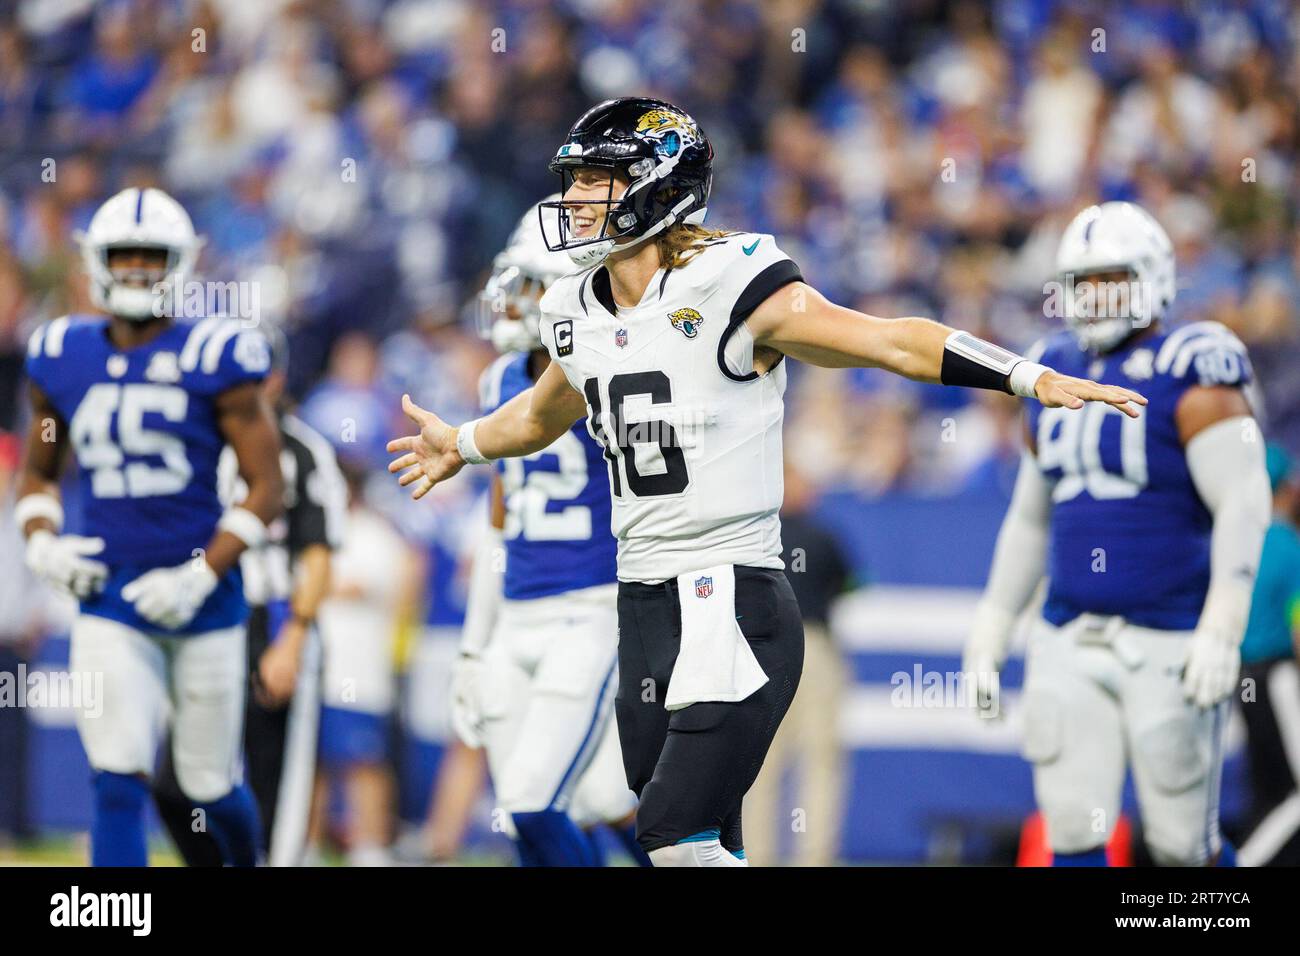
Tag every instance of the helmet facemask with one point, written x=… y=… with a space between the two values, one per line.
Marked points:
x=1104 y=308
x=617 y=218
x=1115 y=265
x=138 y=293
x=507 y=311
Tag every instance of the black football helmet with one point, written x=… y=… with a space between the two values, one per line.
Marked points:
x=661 y=152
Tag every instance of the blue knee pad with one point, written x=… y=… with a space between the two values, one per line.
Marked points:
x=552 y=839
x=234 y=823
x=117 y=835
x=1093 y=857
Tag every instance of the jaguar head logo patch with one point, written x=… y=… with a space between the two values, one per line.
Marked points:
x=686 y=321
x=670 y=131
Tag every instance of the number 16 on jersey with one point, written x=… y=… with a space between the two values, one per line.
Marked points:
x=661 y=467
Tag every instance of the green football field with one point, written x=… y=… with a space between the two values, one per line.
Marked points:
x=73 y=850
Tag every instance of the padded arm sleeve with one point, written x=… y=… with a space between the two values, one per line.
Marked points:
x=1226 y=461
x=1020 y=555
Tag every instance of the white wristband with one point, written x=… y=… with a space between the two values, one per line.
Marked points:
x=38 y=505
x=244 y=525
x=1024 y=378
x=465 y=444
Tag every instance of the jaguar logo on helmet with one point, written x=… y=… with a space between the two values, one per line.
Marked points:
x=671 y=132
x=686 y=321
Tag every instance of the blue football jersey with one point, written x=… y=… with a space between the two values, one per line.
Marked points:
x=1129 y=532
x=557 y=531
x=143 y=430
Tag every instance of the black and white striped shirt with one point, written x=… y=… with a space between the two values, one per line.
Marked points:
x=315 y=504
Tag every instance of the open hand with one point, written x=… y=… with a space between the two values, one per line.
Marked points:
x=1056 y=391
x=430 y=456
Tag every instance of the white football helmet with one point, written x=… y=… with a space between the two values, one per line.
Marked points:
x=507 y=309
x=138 y=219
x=1115 y=237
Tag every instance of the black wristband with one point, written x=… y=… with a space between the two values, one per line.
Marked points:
x=971 y=362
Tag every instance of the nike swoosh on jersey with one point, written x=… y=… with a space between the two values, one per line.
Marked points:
x=749 y=250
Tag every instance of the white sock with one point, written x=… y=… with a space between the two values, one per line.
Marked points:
x=369 y=854
x=695 y=853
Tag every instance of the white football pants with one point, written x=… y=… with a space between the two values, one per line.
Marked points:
x=548 y=692
x=202 y=676
x=1102 y=695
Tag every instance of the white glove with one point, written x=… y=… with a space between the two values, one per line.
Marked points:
x=466 y=700
x=985 y=653
x=170 y=597
x=61 y=559
x=1212 y=668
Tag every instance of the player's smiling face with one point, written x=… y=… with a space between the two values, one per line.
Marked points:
x=589 y=199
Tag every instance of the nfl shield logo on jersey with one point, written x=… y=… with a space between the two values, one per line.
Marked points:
x=703 y=587
x=163 y=367
x=620 y=338
x=1141 y=365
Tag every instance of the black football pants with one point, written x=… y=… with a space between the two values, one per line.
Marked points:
x=692 y=767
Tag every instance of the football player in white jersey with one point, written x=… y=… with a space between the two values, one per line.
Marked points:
x=1149 y=534
x=533 y=682
x=146 y=402
x=670 y=343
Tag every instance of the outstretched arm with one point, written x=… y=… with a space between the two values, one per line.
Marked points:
x=799 y=321
x=527 y=423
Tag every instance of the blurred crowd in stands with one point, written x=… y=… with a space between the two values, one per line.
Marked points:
x=362 y=161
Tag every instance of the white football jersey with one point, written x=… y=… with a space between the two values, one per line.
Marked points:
x=692 y=435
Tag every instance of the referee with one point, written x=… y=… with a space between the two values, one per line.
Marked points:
x=285 y=582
